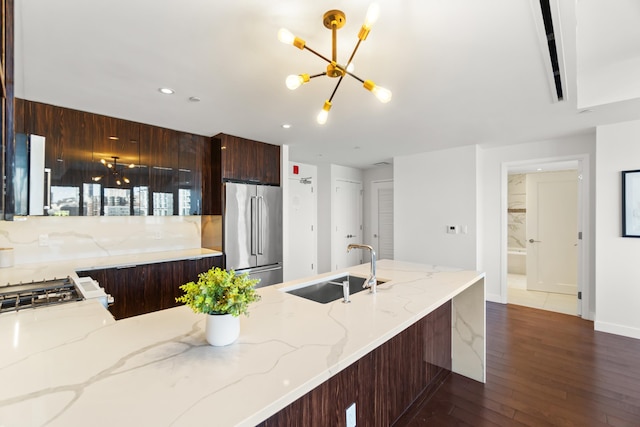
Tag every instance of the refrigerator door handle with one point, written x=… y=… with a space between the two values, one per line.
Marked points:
x=47 y=189
x=260 y=226
x=254 y=225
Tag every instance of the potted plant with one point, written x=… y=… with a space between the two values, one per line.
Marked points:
x=223 y=296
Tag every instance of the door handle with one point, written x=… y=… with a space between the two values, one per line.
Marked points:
x=534 y=241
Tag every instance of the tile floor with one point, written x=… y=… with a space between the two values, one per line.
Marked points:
x=517 y=293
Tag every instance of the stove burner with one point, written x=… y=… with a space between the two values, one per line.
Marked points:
x=37 y=294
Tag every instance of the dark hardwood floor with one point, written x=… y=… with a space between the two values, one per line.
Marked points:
x=543 y=369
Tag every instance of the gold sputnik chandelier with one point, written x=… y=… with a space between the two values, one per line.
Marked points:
x=334 y=20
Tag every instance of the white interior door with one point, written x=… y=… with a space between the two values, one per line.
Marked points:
x=303 y=255
x=347 y=219
x=382 y=219
x=552 y=232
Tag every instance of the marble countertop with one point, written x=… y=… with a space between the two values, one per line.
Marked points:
x=58 y=269
x=64 y=366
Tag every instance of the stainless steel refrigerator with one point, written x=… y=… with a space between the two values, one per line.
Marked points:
x=252 y=231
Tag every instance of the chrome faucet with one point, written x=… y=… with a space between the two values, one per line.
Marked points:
x=371 y=281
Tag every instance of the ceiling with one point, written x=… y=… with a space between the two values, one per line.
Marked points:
x=462 y=72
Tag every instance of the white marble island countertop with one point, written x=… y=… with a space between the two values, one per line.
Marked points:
x=157 y=369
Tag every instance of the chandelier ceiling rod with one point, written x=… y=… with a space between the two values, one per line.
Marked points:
x=334 y=20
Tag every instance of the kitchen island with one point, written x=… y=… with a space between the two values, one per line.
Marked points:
x=65 y=366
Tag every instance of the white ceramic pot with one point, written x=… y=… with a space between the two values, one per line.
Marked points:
x=222 y=329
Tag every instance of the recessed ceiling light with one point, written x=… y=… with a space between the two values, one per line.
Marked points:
x=114 y=138
x=166 y=90
x=539 y=169
x=286 y=126
x=194 y=99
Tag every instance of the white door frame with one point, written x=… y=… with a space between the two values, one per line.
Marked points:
x=584 y=224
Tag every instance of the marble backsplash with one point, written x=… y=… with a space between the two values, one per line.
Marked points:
x=46 y=239
x=516 y=211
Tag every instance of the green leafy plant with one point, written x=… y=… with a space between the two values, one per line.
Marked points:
x=218 y=291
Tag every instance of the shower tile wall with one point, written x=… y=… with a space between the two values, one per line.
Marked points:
x=517 y=203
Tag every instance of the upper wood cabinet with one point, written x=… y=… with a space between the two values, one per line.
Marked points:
x=246 y=160
x=117 y=167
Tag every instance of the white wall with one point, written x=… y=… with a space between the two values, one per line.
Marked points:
x=617 y=266
x=433 y=190
x=492 y=256
x=324 y=218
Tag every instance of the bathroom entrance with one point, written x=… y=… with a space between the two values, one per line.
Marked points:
x=543 y=244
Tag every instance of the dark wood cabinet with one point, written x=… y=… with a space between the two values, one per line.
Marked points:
x=246 y=160
x=164 y=169
x=236 y=159
x=144 y=288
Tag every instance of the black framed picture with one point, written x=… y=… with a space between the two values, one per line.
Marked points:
x=631 y=203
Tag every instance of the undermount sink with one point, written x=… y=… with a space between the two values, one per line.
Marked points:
x=328 y=289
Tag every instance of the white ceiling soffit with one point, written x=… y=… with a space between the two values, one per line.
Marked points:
x=608 y=51
x=462 y=72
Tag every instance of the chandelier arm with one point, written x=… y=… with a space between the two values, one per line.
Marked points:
x=355 y=49
x=355 y=77
x=318 y=75
x=336 y=88
x=317 y=54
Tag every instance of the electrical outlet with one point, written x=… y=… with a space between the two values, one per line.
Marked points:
x=351 y=415
x=452 y=229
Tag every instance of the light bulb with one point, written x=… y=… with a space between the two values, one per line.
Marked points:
x=125 y=179
x=350 y=68
x=131 y=166
x=323 y=115
x=295 y=81
x=286 y=36
x=383 y=95
x=373 y=13
x=118 y=182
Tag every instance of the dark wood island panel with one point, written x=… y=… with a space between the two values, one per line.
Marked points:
x=145 y=288
x=384 y=383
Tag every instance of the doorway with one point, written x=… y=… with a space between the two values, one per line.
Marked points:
x=382 y=218
x=543 y=250
x=347 y=223
x=303 y=234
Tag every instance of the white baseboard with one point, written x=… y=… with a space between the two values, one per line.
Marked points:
x=613 y=328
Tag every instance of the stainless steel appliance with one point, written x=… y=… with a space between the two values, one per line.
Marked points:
x=50 y=292
x=252 y=231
